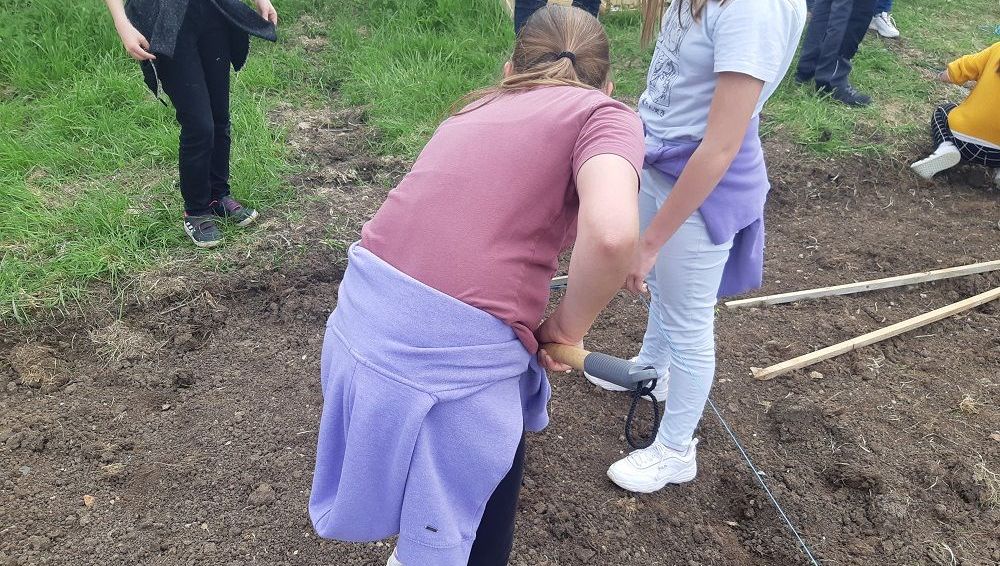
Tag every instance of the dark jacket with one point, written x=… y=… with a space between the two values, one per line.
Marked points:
x=160 y=21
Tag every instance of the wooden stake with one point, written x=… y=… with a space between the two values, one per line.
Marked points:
x=863 y=286
x=876 y=336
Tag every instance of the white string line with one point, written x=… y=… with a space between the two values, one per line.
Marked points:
x=756 y=473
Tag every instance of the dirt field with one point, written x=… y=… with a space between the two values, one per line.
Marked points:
x=191 y=421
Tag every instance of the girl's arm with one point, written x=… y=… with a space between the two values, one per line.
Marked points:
x=135 y=43
x=733 y=103
x=607 y=232
x=970 y=67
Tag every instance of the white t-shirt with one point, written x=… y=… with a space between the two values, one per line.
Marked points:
x=753 y=37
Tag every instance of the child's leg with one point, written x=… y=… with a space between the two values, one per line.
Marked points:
x=214 y=49
x=828 y=60
x=947 y=154
x=940 y=131
x=655 y=351
x=689 y=272
x=495 y=536
x=183 y=81
x=812 y=44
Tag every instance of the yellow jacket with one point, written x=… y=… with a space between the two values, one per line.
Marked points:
x=979 y=116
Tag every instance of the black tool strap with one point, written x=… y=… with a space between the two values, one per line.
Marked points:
x=641 y=391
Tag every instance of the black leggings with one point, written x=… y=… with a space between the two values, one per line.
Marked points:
x=523 y=9
x=495 y=536
x=971 y=152
x=196 y=79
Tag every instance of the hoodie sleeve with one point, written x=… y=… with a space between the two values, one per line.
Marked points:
x=971 y=67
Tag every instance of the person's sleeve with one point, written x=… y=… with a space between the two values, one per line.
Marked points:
x=612 y=128
x=970 y=67
x=753 y=38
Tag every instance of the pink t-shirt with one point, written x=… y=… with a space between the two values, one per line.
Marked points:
x=491 y=201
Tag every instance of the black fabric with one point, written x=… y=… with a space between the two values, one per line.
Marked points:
x=831 y=40
x=495 y=536
x=160 y=21
x=523 y=9
x=196 y=79
x=971 y=152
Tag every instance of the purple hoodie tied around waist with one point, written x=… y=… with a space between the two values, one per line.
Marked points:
x=425 y=401
x=735 y=208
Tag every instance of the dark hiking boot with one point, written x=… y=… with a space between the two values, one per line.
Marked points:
x=202 y=230
x=229 y=208
x=845 y=94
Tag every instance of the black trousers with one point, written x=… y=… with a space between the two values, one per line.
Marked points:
x=196 y=79
x=523 y=9
x=495 y=536
x=971 y=152
x=832 y=39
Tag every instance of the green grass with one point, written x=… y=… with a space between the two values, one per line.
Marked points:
x=88 y=169
x=88 y=159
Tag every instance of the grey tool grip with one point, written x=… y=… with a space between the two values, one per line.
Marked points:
x=616 y=370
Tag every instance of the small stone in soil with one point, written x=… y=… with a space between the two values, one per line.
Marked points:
x=815 y=375
x=263 y=495
x=38 y=542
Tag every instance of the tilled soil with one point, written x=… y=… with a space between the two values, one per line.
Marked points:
x=183 y=431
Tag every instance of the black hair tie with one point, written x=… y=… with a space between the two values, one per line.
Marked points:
x=569 y=55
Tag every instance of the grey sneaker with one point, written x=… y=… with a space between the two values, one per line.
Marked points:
x=202 y=230
x=229 y=208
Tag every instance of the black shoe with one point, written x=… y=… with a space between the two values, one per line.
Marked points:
x=202 y=230
x=229 y=208
x=801 y=78
x=845 y=94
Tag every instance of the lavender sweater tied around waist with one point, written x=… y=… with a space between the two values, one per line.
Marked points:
x=425 y=401
x=734 y=210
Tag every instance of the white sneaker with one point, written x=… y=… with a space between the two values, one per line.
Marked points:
x=944 y=157
x=885 y=25
x=393 y=561
x=650 y=469
x=660 y=391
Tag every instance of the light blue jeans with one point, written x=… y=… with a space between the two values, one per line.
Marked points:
x=680 y=332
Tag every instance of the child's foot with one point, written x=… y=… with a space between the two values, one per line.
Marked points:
x=845 y=93
x=944 y=157
x=651 y=469
x=996 y=177
x=659 y=392
x=884 y=25
x=202 y=230
x=229 y=208
x=393 y=561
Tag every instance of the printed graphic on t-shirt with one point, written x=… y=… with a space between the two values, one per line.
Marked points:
x=664 y=69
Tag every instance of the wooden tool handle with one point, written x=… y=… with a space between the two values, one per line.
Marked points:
x=565 y=354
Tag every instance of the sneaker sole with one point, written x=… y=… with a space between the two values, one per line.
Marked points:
x=935 y=164
x=249 y=221
x=650 y=487
x=203 y=245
